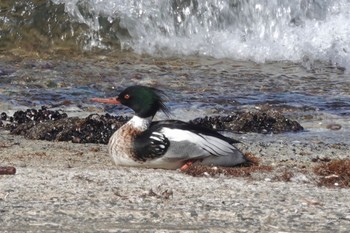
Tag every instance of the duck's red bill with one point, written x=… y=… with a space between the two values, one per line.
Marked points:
x=106 y=101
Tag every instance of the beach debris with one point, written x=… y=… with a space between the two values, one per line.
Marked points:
x=210 y=171
x=285 y=176
x=312 y=202
x=334 y=173
x=166 y=194
x=7 y=170
x=244 y=170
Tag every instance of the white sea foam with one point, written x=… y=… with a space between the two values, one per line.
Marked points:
x=258 y=30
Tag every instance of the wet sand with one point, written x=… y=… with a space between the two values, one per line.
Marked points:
x=61 y=186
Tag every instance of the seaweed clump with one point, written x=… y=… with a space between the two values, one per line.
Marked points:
x=244 y=170
x=256 y=122
x=92 y=129
x=335 y=173
x=33 y=116
x=44 y=124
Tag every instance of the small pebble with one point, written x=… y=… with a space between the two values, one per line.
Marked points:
x=7 y=170
x=334 y=126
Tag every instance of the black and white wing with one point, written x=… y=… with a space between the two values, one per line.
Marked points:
x=151 y=145
x=176 y=140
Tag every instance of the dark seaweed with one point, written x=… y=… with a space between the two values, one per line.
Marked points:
x=45 y=124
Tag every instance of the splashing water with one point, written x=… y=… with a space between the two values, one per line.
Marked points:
x=258 y=30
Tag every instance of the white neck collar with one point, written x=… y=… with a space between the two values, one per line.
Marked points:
x=140 y=123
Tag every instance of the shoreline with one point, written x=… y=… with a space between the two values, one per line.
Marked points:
x=76 y=187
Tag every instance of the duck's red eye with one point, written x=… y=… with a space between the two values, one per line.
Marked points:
x=127 y=96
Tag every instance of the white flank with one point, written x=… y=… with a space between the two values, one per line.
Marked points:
x=209 y=143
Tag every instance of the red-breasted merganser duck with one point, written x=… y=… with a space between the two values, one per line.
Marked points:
x=168 y=144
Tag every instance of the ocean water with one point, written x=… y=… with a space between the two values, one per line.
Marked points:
x=211 y=57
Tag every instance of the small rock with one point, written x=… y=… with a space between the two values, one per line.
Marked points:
x=334 y=127
x=8 y=170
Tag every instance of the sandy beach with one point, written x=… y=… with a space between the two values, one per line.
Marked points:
x=62 y=186
x=211 y=59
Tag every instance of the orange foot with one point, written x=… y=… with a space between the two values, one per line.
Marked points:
x=186 y=166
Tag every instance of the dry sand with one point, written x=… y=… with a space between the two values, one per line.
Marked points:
x=68 y=187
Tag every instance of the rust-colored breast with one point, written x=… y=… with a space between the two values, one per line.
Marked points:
x=122 y=141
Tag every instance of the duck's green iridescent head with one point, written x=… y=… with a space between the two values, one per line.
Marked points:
x=145 y=101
